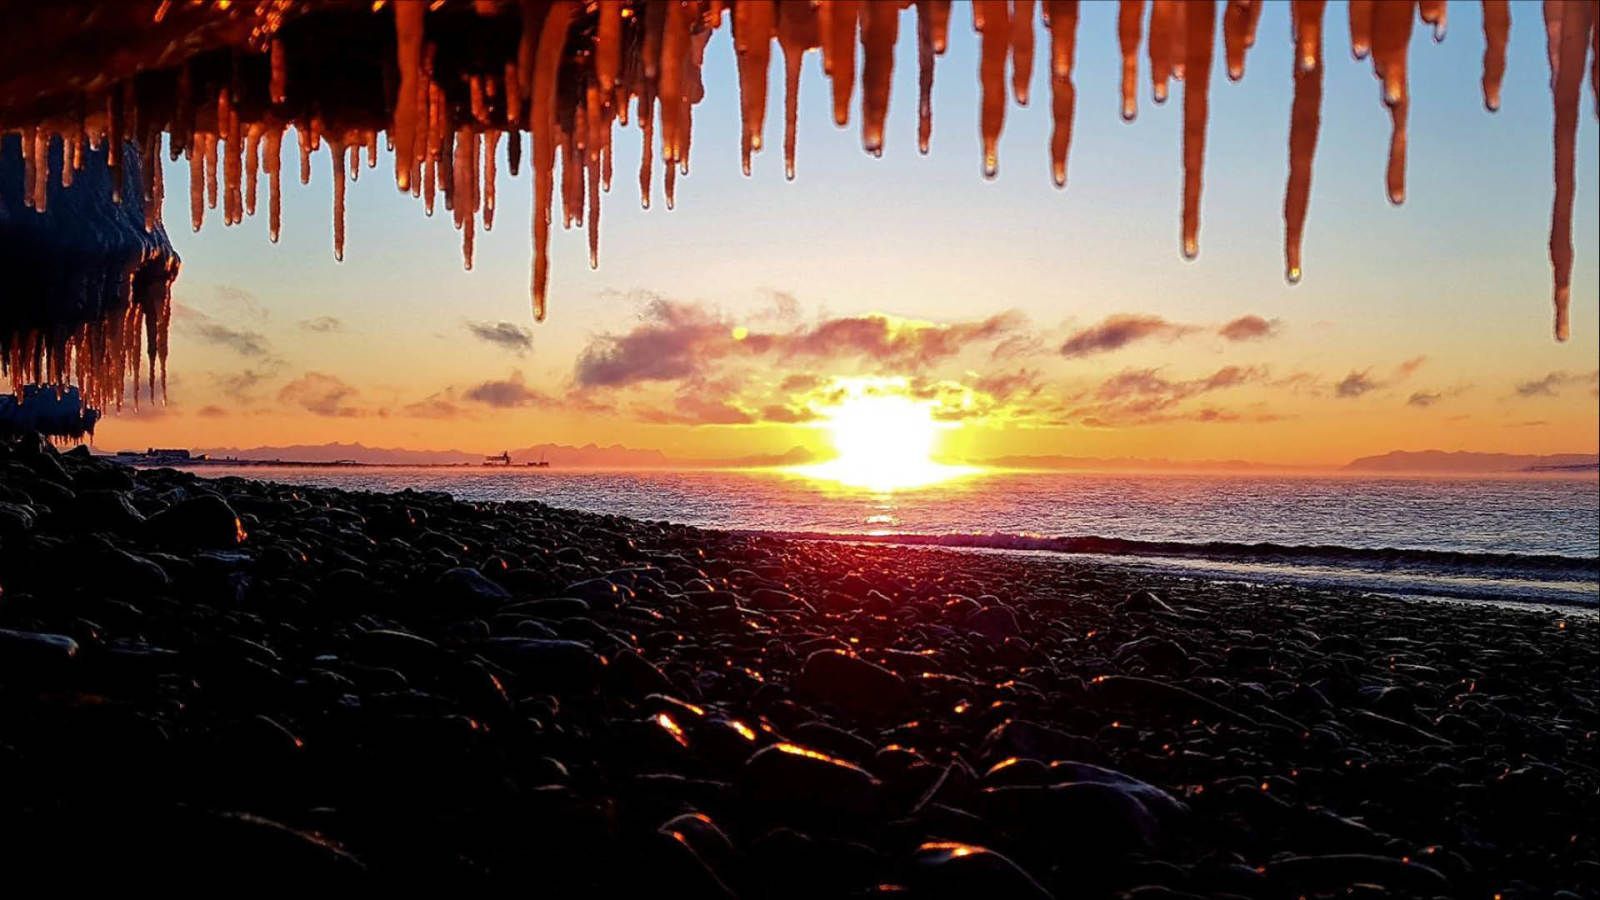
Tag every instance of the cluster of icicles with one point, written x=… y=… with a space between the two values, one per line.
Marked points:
x=569 y=95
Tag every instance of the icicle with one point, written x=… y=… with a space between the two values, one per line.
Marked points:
x=595 y=119
x=797 y=32
x=1496 y=31
x=408 y=30
x=1021 y=49
x=1391 y=40
x=274 y=165
x=608 y=44
x=541 y=122
x=674 y=51
x=1200 y=20
x=252 y=153
x=336 y=152
x=1063 y=16
x=1361 y=27
x=1433 y=12
x=197 y=185
x=925 y=57
x=1566 y=83
x=996 y=43
x=647 y=129
x=752 y=43
x=1304 y=122
x=1163 y=21
x=491 y=150
x=1130 y=16
x=840 y=40
x=228 y=123
x=880 y=29
x=277 y=84
x=1239 y=28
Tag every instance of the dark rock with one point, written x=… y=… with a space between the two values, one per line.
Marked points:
x=206 y=521
x=468 y=590
x=790 y=783
x=851 y=683
x=555 y=666
x=949 y=870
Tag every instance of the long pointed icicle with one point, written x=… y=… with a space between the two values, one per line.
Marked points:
x=752 y=44
x=1063 y=96
x=1496 y=32
x=797 y=32
x=408 y=31
x=1021 y=49
x=1565 y=88
x=1201 y=24
x=925 y=58
x=541 y=121
x=841 y=37
x=880 y=29
x=1235 y=22
x=1130 y=16
x=992 y=72
x=1304 y=123
x=1391 y=41
x=1360 y=28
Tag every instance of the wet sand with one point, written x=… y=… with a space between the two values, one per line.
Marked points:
x=251 y=684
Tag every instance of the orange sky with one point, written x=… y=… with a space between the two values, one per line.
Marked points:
x=1038 y=322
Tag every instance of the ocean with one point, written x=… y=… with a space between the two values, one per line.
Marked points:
x=1507 y=539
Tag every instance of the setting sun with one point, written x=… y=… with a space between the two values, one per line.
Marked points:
x=885 y=440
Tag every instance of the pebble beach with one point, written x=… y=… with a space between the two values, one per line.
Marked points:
x=239 y=683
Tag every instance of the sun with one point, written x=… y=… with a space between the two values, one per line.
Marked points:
x=884 y=441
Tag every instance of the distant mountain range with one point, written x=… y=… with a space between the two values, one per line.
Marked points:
x=616 y=456
x=588 y=456
x=1465 y=461
x=1118 y=463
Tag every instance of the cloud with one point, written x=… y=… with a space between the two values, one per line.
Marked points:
x=1118 y=331
x=1356 y=384
x=321 y=394
x=1424 y=399
x=240 y=387
x=1552 y=384
x=211 y=412
x=1409 y=367
x=777 y=412
x=322 y=325
x=247 y=302
x=242 y=341
x=680 y=341
x=690 y=408
x=1146 y=396
x=505 y=335
x=1249 y=328
x=441 y=405
x=507 y=393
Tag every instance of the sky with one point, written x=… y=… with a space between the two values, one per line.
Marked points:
x=1032 y=321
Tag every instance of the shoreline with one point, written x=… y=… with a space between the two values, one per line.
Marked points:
x=236 y=678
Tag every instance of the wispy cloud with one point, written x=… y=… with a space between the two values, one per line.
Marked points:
x=322 y=325
x=1116 y=332
x=516 y=338
x=321 y=394
x=243 y=341
x=1552 y=384
x=1249 y=328
x=507 y=393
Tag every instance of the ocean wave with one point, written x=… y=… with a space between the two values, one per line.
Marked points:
x=1536 y=566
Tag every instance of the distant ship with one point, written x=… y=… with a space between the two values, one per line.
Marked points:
x=504 y=459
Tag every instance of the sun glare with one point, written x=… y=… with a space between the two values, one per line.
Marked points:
x=884 y=442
